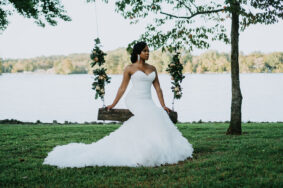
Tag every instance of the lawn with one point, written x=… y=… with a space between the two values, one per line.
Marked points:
x=254 y=159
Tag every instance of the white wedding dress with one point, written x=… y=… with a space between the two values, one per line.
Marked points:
x=149 y=138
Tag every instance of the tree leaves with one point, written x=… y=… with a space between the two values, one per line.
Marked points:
x=183 y=14
x=42 y=11
x=101 y=77
x=175 y=69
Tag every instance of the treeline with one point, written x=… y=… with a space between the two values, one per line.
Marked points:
x=116 y=60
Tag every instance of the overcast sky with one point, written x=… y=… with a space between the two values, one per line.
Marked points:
x=24 y=39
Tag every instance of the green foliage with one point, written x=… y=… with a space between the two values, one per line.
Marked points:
x=116 y=60
x=51 y=64
x=259 y=11
x=181 y=17
x=258 y=62
x=41 y=11
x=251 y=160
x=64 y=67
x=100 y=75
x=175 y=69
x=183 y=32
x=97 y=55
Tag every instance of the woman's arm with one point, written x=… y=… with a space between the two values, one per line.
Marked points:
x=159 y=92
x=122 y=88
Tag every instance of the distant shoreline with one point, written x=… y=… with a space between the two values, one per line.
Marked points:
x=14 y=121
x=117 y=60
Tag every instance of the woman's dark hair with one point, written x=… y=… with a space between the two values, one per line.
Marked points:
x=138 y=47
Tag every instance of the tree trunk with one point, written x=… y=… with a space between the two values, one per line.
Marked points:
x=236 y=104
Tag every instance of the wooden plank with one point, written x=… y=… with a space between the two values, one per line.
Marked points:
x=124 y=114
x=114 y=114
x=173 y=116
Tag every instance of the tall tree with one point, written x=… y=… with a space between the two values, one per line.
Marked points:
x=41 y=11
x=190 y=23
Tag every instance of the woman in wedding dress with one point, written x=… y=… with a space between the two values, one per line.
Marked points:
x=149 y=138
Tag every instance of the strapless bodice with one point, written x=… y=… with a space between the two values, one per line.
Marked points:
x=140 y=93
x=141 y=84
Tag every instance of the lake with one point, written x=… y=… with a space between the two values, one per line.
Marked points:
x=206 y=97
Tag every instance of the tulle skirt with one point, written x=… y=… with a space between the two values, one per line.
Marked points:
x=149 y=138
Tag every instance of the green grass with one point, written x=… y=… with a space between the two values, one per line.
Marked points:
x=254 y=159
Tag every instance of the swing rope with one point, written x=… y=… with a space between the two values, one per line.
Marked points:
x=96 y=18
x=173 y=103
x=173 y=94
x=97 y=36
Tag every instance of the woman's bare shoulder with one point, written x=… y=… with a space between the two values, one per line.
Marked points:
x=129 y=68
x=151 y=67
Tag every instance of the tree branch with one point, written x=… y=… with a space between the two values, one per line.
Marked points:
x=185 y=6
x=192 y=15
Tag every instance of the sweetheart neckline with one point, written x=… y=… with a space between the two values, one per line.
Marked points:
x=142 y=72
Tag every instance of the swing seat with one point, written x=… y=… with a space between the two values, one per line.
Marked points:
x=124 y=114
x=114 y=114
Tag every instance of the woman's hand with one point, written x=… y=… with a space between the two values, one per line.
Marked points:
x=109 y=107
x=167 y=109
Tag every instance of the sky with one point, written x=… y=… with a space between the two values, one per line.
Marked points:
x=24 y=39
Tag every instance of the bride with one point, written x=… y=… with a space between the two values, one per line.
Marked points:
x=149 y=138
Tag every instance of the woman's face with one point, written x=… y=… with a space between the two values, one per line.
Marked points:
x=145 y=53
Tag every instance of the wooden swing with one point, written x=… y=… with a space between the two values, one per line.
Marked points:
x=124 y=114
x=116 y=114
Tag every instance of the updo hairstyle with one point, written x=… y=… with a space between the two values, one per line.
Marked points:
x=138 y=47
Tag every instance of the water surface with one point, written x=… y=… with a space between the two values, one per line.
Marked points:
x=206 y=97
